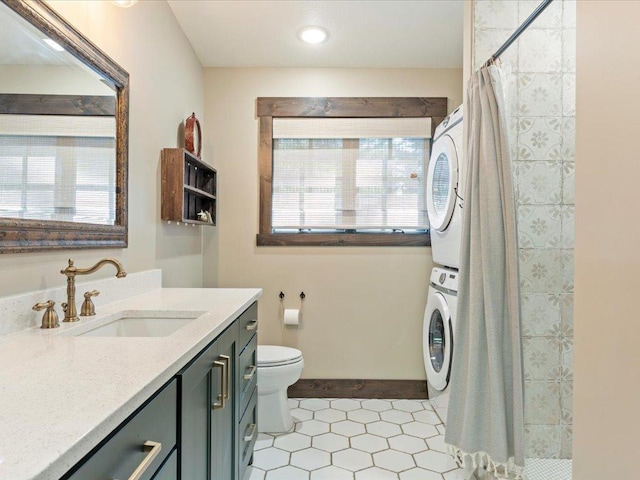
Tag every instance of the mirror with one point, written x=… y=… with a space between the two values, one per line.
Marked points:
x=63 y=135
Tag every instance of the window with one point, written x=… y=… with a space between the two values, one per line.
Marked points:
x=345 y=171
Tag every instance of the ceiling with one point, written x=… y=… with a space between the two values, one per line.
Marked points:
x=260 y=33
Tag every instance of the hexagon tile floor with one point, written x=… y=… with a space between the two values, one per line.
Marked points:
x=348 y=439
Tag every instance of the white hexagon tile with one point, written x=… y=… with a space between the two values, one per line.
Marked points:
x=351 y=439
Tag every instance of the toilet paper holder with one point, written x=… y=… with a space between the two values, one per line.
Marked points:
x=302 y=296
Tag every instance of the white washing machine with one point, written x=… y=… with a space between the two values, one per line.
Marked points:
x=445 y=189
x=437 y=337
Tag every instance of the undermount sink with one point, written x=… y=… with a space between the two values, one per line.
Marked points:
x=143 y=323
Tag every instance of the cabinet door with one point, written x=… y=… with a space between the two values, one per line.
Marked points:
x=223 y=439
x=198 y=382
x=208 y=412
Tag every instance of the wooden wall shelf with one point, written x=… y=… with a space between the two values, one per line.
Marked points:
x=188 y=186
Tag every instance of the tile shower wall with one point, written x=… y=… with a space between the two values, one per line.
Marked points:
x=542 y=115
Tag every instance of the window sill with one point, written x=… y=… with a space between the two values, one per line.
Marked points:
x=343 y=240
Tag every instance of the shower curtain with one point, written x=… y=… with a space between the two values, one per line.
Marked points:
x=485 y=421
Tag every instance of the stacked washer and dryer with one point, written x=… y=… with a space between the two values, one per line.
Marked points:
x=445 y=186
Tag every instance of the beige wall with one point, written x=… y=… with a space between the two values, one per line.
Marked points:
x=166 y=86
x=607 y=328
x=364 y=306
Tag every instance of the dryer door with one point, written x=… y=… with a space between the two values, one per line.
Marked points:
x=442 y=183
x=437 y=341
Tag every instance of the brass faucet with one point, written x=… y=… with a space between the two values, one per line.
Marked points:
x=69 y=308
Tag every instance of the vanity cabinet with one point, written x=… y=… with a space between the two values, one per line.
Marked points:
x=188 y=187
x=204 y=420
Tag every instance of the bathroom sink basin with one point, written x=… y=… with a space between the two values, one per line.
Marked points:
x=143 y=323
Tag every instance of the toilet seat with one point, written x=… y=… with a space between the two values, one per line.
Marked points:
x=276 y=356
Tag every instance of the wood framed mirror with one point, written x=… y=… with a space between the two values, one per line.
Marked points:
x=64 y=120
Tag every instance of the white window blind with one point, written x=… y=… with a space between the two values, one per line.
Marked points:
x=352 y=174
x=58 y=178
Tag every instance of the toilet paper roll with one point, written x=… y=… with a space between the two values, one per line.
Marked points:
x=291 y=316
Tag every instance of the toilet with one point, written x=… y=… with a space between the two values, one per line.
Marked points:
x=278 y=367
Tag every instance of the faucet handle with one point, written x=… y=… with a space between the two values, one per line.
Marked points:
x=50 y=317
x=88 y=308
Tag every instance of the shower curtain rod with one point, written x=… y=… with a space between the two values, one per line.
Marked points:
x=519 y=31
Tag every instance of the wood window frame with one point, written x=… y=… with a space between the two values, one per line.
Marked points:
x=269 y=108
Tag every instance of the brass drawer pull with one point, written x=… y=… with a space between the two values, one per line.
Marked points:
x=252 y=371
x=250 y=432
x=227 y=383
x=221 y=398
x=252 y=325
x=153 y=449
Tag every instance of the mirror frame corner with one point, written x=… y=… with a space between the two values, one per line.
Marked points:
x=19 y=235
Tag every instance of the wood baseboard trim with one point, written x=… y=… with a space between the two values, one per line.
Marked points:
x=348 y=388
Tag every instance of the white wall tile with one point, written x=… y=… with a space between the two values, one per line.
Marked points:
x=569 y=50
x=550 y=18
x=539 y=226
x=538 y=182
x=542 y=403
x=568 y=139
x=568 y=226
x=539 y=94
x=568 y=183
x=495 y=14
x=540 y=51
x=540 y=314
x=488 y=41
x=542 y=441
x=540 y=270
x=569 y=94
x=541 y=357
x=539 y=138
x=569 y=14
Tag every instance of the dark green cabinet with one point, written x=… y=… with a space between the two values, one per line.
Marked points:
x=141 y=444
x=218 y=423
x=247 y=381
x=207 y=412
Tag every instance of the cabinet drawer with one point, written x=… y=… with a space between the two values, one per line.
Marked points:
x=247 y=434
x=247 y=325
x=121 y=454
x=169 y=471
x=247 y=374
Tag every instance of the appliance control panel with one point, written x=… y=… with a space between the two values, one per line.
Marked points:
x=445 y=277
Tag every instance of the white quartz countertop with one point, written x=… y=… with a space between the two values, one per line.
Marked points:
x=60 y=395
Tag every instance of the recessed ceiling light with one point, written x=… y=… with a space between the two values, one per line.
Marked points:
x=313 y=35
x=53 y=44
x=124 y=3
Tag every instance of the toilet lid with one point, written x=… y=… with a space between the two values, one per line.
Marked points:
x=271 y=355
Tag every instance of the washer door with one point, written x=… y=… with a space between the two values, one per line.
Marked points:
x=442 y=182
x=437 y=341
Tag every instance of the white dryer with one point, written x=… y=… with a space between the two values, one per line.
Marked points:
x=437 y=337
x=445 y=189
